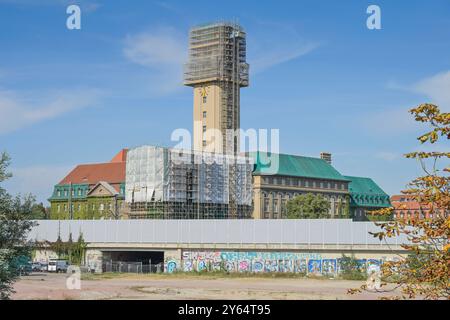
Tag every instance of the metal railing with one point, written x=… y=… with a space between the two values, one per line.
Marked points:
x=131 y=267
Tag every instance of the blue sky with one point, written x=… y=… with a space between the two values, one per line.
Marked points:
x=317 y=74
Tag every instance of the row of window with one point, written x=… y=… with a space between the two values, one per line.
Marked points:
x=370 y=199
x=78 y=192
x=204 y=126
x=279 y=200
x=275 y=207
x=416 y=214
x=306 y=183
x=79 y=207
x=291 y=195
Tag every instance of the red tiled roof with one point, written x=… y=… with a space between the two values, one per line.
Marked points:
x=409 y=205
x=405 y=206
x=404 y=197
x=121 y=156
x=112 y=172
x=407 y=202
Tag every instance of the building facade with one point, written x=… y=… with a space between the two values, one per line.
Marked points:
x=365 y=196
x=216 y=70
x=148 y=183
x=279 y=178
x=163 y=183
x=91 y=191
x=406 y=207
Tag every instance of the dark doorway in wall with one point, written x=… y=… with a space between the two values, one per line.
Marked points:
x=145 y=257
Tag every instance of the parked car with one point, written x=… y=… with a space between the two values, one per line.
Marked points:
x=57 y=266
x=36 y=267
x=44 y=267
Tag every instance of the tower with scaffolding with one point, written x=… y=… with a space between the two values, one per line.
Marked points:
x=216 y=70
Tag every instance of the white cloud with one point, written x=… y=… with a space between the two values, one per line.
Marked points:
x=163 y=51
x=156 y=49
x=37 y=180
x=17 y=111
x=273 y=43
x=398 y=120
x=436 y=88
x=277 y=55
x=388 y=122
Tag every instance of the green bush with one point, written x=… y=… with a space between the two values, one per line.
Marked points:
x=350 y=269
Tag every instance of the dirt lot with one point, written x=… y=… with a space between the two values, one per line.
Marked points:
x=153 y=286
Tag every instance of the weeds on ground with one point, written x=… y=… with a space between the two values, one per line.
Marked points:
x=207 y=275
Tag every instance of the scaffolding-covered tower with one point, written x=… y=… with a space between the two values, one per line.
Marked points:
x=164 y=183
x=217 y=69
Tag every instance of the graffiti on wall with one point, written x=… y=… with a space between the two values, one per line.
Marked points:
x=233 y=261
x=246 y=261
x=252 y=261
x=329 y=266
x=171 y=266
x=315 y=266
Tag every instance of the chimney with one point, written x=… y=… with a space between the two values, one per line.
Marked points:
x=326 y=156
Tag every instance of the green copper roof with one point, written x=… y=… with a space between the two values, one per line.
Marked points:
x=291 y=165
x=365 y=192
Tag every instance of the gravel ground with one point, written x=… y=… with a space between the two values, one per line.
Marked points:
x=53 y=286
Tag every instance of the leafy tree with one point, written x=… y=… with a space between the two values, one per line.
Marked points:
x=69 y=245
x=350 y=269
x=79 y=250
x=377 y=216
x=308 y=206
x=14 y=227
x=38 y=212
x=344 y=210
x=59 y=247
x=426 y=270
x=70 y=250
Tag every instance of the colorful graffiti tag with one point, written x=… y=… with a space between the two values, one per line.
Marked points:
x=315 y=266
x=171 y=266
x=234 y=261
x=329 y=266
